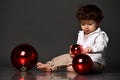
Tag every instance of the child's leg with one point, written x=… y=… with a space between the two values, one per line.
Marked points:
x=56 y=63
x=97 y=68
x=60 y=62
x=44 y=67
x=69 y=68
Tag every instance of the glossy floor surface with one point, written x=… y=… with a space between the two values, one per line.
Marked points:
x=8 y=73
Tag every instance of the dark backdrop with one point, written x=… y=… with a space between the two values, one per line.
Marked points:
x=51 y=27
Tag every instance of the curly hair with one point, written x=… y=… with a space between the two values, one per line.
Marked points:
x=90 y=12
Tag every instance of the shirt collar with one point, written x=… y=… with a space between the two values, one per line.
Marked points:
x=96 y=31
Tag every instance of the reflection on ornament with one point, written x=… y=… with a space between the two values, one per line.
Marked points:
x=24 y=57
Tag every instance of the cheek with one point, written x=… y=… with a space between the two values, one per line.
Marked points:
x=93 y=28
x=82 y=27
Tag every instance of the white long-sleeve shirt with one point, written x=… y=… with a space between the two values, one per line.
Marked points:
x=97 y=40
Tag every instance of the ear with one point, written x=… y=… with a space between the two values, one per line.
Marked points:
x=97 y=24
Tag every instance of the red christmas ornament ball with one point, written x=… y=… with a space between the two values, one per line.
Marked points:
x=76 y=49
x=82 y=63
x=24 y=57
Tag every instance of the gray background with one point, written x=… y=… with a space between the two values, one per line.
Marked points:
x=51 y=27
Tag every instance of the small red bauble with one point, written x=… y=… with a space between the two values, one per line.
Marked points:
x=24 y=57
x=76 y=49
x=82 y=63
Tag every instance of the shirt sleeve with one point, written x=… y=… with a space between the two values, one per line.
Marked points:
x=79 y=38
x=100 y=42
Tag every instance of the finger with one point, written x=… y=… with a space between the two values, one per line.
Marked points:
x=70 y=46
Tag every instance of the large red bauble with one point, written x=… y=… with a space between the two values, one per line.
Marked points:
x=82 y=63
x=76 y=49
x=24 y=57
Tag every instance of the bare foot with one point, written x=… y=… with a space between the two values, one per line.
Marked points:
x=44 y=67
x=69 y=69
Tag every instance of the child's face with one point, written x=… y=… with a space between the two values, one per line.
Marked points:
x=88 y=26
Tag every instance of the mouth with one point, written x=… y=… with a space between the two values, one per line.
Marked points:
x=86 y=30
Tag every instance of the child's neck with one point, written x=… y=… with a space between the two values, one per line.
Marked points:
x=85 y=35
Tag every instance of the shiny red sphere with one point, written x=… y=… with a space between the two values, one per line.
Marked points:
x=82 y=63
x=24 y=56
x=76 y=49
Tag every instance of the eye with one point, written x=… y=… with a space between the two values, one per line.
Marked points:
x=90 y=23
x=82 y=24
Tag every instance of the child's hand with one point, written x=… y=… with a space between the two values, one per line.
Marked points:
x=87 y=50
x=72 y=55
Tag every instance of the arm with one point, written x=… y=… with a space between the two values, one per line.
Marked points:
x=71 y=52
x=100 y=43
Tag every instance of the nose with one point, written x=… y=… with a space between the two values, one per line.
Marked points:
x=86 y=26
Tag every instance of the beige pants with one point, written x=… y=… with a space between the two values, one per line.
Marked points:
x=65 y=60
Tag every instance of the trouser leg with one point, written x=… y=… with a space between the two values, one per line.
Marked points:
x=65 y=60
x=60 y=61
x=97 y=68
